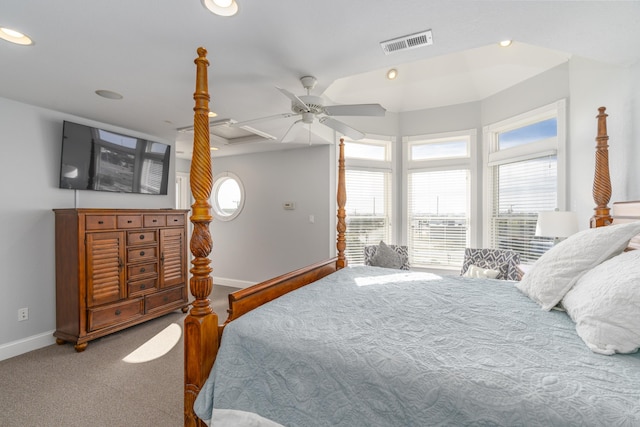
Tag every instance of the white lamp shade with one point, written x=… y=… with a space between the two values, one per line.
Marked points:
x=556 y=224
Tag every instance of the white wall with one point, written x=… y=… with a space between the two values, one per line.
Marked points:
x=266 y=240
x=29 y=173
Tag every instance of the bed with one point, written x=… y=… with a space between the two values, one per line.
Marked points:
x=332 y=345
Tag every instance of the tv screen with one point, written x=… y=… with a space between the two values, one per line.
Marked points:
x=97 y=159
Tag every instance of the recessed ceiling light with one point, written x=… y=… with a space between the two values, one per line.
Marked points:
x=505 y=43
x=221 y=7
x=14 y=36
x=392 y=74
x=213 y=114
x=109 y=94
x=213 y=148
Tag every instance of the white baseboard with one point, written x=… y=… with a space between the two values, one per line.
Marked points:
x=240 y=284
x=25 y=345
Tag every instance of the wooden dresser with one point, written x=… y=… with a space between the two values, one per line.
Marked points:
x=116 y=268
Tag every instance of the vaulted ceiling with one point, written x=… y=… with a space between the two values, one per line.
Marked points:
x=144 y=50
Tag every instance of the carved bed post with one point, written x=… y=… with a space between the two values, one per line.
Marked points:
x=601 y=180
x=201 y=324
x=342 y=200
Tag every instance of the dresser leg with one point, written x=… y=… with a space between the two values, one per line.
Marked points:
x=81 y=347
x=60 y=341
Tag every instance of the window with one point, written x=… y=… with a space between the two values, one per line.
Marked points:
x=368 y=179
x=525 y=170
x=439 y=182
x=227 y=196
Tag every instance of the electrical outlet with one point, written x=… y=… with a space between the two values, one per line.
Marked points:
x=23 y=314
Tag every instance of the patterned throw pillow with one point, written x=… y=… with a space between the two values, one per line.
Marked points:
x=506 y=262
x=402 y=251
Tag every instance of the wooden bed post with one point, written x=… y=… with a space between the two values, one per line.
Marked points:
x=341 y=244
x=601 y=180
x=201 y=324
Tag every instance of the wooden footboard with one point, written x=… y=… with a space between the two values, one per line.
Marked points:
x=202 y=334
x=245 y=300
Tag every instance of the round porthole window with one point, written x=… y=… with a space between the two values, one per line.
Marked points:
x=227 y=196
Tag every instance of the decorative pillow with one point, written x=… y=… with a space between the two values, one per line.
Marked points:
x=556 y=271
x=605 y=304
x=505 y=261
x=386 y=257
x=477 y=272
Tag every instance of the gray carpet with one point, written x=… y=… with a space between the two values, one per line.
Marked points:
x=55 y=386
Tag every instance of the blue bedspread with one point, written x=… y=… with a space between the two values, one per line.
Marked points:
x=368 y=346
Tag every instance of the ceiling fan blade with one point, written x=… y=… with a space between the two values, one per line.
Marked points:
x=355 y=110
x=342 y=128
x=291 y=132
x=297 y=101
x=262 y=119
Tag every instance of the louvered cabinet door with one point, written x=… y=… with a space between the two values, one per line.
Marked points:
x=105 y=268
x=173 y=269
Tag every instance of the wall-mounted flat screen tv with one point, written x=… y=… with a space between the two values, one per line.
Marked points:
x=97 y=159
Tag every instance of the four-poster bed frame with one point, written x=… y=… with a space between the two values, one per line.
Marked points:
x=202 y=332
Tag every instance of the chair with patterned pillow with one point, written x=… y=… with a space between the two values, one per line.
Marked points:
x=389 y=256
x=505 y=262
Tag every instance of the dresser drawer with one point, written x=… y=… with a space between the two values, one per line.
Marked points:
x=175 y=220
x=114 y=314
x=129 y=221
x=160 y=299
x=146 y=253
x=100 y=222
x=139 y=271
x=142 y=237
x=155 y=220
x=142 y=287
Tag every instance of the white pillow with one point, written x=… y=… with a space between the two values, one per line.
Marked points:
x=555 y=272
x=605 y=304
x=478 y=272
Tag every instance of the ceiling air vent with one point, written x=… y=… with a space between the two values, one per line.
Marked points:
x=423 y=38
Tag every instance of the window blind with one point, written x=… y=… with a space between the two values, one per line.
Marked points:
x=438 y=212
x=522 y=189
x=368 y=211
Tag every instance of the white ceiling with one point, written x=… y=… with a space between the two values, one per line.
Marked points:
x=144 y=49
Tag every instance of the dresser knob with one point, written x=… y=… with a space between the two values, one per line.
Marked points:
x=142 y=237
x=100 y=222
x=142 y=270
x=118 y=312
x=143 y=286
x=141 y=253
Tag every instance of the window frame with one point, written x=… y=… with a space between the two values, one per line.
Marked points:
x=385 y=166
x=469 y=162
x=493 y=157
x=216 y=210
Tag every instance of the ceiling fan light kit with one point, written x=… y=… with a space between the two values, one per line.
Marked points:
x=310 y=107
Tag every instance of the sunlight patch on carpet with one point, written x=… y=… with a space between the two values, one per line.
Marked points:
x=157 y=346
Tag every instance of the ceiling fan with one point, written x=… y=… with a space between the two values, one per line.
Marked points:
x=310 y=107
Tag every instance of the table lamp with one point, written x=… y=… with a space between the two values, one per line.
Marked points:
x=556 y=224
